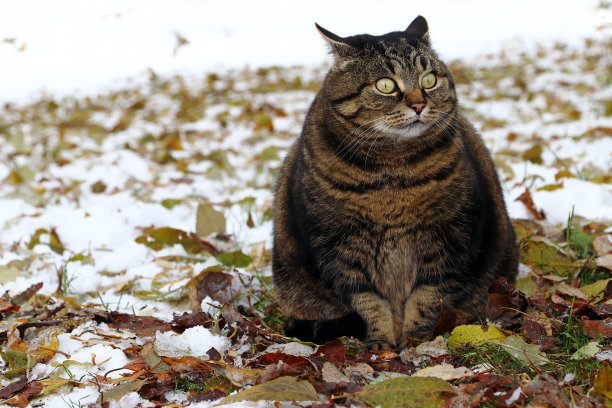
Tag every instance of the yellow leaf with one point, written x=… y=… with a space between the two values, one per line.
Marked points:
x=474 y=334
x=596 y=289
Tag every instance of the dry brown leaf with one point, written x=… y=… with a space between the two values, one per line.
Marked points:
x=526 y=199
x=568 y=290
x=602 y=245
x=604 y=261
x=332 y=374
x=446 y=372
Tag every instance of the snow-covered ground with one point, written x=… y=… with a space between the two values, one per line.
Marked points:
x=93 y=175
x=67 y=45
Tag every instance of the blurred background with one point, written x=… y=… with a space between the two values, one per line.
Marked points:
x=65 y=46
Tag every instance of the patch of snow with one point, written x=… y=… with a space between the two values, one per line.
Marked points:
x=195 y=341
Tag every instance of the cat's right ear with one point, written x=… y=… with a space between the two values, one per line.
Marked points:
x=341 y=49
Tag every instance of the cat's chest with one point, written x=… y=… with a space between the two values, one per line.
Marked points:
x=395 y=265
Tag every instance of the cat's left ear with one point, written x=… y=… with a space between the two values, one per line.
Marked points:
x=341 y=48
x=419 y=28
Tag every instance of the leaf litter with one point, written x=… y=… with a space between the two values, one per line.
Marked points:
x=135 y=248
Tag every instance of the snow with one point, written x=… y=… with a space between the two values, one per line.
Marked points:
x=87 y=44
x=195 y=342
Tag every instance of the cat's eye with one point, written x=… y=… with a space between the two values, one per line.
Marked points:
x=428 y=81
x=386 y=85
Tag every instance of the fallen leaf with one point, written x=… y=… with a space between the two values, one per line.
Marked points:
x=474 y=334
x=118 y=391
x=7 y=306
x=603 y=381
x=13 y=388
x=142 y=325
x=568 y=290
x=446 y=372
x=333 y=351
x=604 y=261
x=602 y=245
x=406 y=392
x=236 y=258
x=588 y=350
x=539 y=331
x=546 y=257
x=435 y=348
x=551 y=187
x=596 y=289
x=331 y=373
x=528 y=353
x=545 y=390
x=534 y=154
x=159 y=238
x=209 y=220
x=596 y=329
x=279 y=389
x=8 y=273
x=526 y=199
x=21 y=399
x=211 y=282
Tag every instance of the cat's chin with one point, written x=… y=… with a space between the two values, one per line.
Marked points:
x=410 y=131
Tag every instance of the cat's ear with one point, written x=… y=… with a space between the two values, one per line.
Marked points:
x=419 y=28
x=341 y=48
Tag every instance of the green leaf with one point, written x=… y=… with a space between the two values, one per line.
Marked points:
x=170 y=203
x=588 y=350
x=406 y=392
x=517 y=348
x=270 y=153
x=158 y=238
x=551 y=187
x=84 y=259
x=547 y=258
x=596 y=289
x=527 y=286
x=534 y=154
x=236 y=258
x=122 y=389
x=279 y=389
x=209 y=220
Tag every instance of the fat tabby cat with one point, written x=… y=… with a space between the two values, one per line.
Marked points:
x=388 y=207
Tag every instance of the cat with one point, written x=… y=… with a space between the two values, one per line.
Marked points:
x=388 y=207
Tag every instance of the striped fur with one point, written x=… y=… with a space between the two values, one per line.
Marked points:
x=382 y=213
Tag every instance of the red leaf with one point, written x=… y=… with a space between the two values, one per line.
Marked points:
x=141 y=325
x=7 y=307
x=526 y=199
x=214 y=355
x=596 y=328
x=273 y=371
x=334 y=352
x=21 y=399
x=289 y=359
x=13 y=388
x=537 y=333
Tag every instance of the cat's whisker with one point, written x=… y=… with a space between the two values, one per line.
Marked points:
x=351 y=144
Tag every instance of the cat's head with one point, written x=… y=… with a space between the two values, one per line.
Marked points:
x=393 y=84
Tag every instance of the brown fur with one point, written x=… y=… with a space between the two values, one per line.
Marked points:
x=383 y=212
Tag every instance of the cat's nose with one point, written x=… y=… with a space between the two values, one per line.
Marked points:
x=417 y=107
